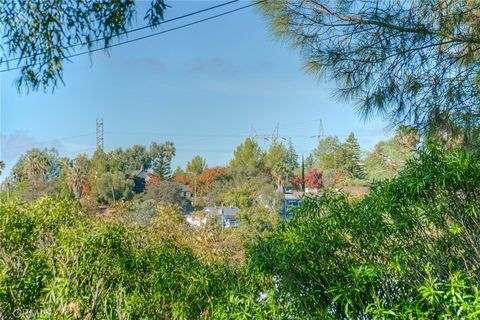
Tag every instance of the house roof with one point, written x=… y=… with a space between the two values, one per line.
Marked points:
x=293 y=195
x=227 y=211
x=140 y=174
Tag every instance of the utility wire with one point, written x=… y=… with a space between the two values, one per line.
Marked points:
x=213 y=135
x=150 y=35
x=219 y=135
x=131 y=30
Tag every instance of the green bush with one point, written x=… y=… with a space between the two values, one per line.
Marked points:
x=410 y=249
x=57 y=263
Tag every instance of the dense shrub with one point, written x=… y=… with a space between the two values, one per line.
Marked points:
x=57 y=263
x=410 y=249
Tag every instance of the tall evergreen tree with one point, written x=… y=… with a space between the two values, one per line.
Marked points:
x=277 y=161
x=161 y=167
x=352 y=157
x=162 y=155
x=292 y=157
x=113 y=186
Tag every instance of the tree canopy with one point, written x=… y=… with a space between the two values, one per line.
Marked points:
x=281 y=161
x=196 y=165
x=389 y=157
x=113 y=186
x=162 y=155
x=39 y=36
x=249 y=158
x=414 y=62
x=167 y=193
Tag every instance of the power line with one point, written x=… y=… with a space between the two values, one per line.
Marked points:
x=321 y=132
x=131 y=30
x=273 y=137
x=253 y=134
x=148 y=36
x=213 y=135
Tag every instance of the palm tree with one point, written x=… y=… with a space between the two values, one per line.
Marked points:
x=36 y=167
x=76 y=172
x=2 y=166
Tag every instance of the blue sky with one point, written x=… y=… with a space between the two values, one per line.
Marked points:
x=202 y=87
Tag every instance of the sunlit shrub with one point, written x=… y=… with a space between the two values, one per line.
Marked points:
x=408 y=250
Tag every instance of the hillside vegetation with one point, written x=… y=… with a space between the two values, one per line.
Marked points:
x=407 y=250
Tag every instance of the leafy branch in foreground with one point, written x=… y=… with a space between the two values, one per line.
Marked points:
x=40 y=35
x=414 y=62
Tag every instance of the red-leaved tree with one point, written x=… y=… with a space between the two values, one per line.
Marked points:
x=313 y=180
x=209 y=177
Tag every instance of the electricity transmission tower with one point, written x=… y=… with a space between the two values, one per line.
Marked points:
x=272 y=137
x=321 y=132
x=100 y=143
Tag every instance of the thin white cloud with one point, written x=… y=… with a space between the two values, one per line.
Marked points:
x=18 y=142
x=209 y=66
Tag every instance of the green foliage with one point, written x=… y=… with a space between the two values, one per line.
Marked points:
x=340 y=163
x=389 y=157
x=179 y=172
x=161 y=167
x=129 y=160
x=35 y=174
x=65 y=191
x=408 y=250
x=351 y=157
x=111 y=187
x=257 y=222
x=328 y=154
x=241 y=197
x=36 y=165
x=281 y=161
x=75 y=173
x=162 y=155
x=41 y=172
x=58 y=264
x=248 y=160
x=167 y=193
x=99 y=163
x=412 y=62
x=43 y=34
x=196 y=166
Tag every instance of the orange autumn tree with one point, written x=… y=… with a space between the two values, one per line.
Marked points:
x=209 y=177
x=313 y=180
x=184 y=180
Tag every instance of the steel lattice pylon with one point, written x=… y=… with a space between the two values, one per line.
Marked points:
x=100 y=134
